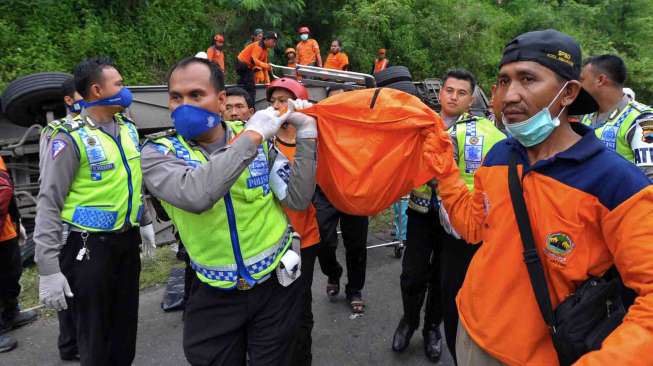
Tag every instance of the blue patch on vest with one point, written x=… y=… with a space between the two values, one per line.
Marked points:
x=473 y=149
x=258 y=171
x=610 y=132
x=95 y=218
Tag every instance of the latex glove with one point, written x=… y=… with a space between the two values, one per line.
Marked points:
x=306 y=125
x=266 y=122
x=148 y=240
x=294 y=105
x=53 y=290
x=22 y=234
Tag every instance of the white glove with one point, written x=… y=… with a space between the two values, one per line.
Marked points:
x=296 y=104
x=53 y=290
x=306 y=125
x=148 y=240
x=266 y=122
x=22 y=235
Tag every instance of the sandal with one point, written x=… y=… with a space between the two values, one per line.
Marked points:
x=332 y=290
x=357 y=305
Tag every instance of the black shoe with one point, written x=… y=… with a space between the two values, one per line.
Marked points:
x=15 y=318
x=402 y=336
x=432 y=343
x=7 y=343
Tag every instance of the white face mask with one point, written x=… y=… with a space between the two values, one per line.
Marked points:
x=304 y=37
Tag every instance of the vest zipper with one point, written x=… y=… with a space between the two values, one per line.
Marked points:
x=235 y=243
x=129 y=175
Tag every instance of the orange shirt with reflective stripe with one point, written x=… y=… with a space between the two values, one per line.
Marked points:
x=216 y=56
x=336 y=61
x=307 y=52
x=380 y=64
x=254 y=55
x=8 y=230
x=304 y=222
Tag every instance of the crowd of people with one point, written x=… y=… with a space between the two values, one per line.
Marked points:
x=240 y=187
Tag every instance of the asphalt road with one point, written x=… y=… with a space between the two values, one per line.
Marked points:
x=337 y=339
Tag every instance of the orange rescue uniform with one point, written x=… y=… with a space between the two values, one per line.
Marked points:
x=8 y=229
x=336 y=61
x=589 y=209
x=255 y=56
x=304 y=222
x=380 y=64
x=307 y=52
x=217 y=57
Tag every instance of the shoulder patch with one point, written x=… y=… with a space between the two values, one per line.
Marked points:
x=58 y=146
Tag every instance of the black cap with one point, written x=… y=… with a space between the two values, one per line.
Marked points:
x=270 y=35
x=556 y=51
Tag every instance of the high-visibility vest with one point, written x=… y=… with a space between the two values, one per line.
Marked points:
x=241 y=239
x=613 y=132
x=106 y=192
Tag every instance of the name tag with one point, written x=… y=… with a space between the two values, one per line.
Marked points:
x=102 y=167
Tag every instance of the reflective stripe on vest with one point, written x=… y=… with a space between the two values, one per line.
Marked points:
x=610 y=131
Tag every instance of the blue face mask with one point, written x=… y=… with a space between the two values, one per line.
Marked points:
x=537 y=128
x=303 y=37
x=191 y=121
x=76 y=108
x=123 y=98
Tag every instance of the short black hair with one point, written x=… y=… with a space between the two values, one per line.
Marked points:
x=89 y=72
x=240 y=92
x=337 y=40
x=612 y=66
x=460 y=74
x=68 y=88
x=217 y=77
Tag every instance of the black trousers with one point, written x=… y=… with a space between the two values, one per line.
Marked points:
x=420 y=270
x=221 y=327
x=67 y=341
x=10 y=272
x=455 y=258
x=301 y=347
x=354 y=238
x=246 y=78
x=105 y=302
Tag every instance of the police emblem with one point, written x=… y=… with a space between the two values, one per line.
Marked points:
x=647 y=131
x=473 y=140
x=558 y=247
x=91 y=141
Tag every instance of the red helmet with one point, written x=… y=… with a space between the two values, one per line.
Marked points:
x=304 y=30
x=295 y=88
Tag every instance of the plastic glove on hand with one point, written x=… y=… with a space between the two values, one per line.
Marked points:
x=148 y=241
x=266 y=122
x=438 y=152
x=306 y=125
x=22 y=235
x=53 y=290
x=297 y=104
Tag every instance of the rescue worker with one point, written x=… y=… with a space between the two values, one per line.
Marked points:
x=336 y=60
x=622 y=124
x=472 y=138
x=291 y=57
x=577 y=192
x=381 y=62
x=239 y=105
x=256 y=36
x=420 y=267
x=354 y=238
x=215 y=53
x=212 y=178
x=308 y=51
x=67 y=341
x=280 y=93
x=91 y=180
x=252 y=65
x=11 y=266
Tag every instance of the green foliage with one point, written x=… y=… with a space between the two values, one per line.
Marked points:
x=145 y=37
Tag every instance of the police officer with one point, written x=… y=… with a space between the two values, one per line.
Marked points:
x=212 y=178
x=622 y=124
x=91 y=180
x=472 y=137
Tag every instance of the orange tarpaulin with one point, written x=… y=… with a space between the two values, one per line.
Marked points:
x=376 y=145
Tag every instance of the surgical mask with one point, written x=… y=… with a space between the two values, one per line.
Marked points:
x=303 y=37
x=191 y=121
x=76 y=107
x=537 y=128
x=123 y=98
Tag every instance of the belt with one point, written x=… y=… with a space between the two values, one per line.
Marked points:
x=122 y=230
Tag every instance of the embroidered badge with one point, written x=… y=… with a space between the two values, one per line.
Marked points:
x=57 y=147
x=558 y=247
x=647 y=131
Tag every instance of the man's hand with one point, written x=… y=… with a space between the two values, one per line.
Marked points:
x=306 y=125
x=148 y=240
x=53 y=290
x=22 y=234
x=438 y=153
x=297 y=104
x=266 y=122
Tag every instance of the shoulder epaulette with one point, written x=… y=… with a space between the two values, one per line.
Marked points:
x=72 y=124
x=122 y=117
x=640 y=107
x=158 y=135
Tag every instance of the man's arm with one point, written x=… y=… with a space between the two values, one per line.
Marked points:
x=318 y=57
x=629 y=239
x=256 y=57
x=195 y=189
x=301 y=183
x=59 y=166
